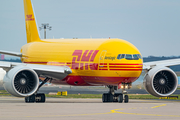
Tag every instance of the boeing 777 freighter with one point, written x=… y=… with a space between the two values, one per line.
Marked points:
x=114 y=63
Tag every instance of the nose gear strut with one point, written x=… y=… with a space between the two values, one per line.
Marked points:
x=111 y=96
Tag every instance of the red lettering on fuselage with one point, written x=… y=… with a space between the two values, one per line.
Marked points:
x=77 y=53
x=94 y=55
x=88 y=55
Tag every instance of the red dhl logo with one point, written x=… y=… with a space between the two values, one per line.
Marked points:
x=87 y=56
x=29 y=18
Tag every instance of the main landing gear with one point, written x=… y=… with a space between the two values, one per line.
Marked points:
x=115 y=97
x=37 y=97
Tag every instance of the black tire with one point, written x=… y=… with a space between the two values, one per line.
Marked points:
x=104 y=97
x=26 y=99
x=120 y=98
x=40 y=97
x=30 y=99
x=126 y=99
x=43 y=98
x=110 y=98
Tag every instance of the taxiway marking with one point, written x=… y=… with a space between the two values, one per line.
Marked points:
x=114 y=111
x=159 y=106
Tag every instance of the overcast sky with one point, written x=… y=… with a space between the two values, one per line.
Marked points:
x=153 y=26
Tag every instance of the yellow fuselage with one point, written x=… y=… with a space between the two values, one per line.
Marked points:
x=93 y=61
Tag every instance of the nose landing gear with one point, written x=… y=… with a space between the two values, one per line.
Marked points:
x=115 y=97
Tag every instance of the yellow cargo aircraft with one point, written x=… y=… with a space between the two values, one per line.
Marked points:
x=114 y=63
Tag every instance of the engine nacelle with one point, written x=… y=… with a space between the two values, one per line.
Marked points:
x=161 y=81
x=2 y=74
x=21 y=81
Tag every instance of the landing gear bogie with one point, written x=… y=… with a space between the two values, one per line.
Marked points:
x=39 y=97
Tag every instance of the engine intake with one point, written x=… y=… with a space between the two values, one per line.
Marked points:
x=161 y=81
x=21 y=81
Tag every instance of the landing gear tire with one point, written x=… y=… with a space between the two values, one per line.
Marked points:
x=30 y=99
x=106 y=97
x=120 y=98
x=126 y=99
x=40 y=98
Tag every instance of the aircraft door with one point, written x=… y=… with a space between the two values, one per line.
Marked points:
x=101 y=58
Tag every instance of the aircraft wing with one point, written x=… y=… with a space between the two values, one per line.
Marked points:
x=57 y=72
x=11 y=53
x=163 y=63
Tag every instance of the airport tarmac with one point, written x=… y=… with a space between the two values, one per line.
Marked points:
x=12 y=108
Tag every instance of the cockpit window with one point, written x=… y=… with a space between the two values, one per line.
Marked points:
x=129 y=56
x=135 y=57
x=121 y=56
x=139 y=56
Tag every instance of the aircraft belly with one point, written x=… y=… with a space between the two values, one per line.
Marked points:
x=108 y=80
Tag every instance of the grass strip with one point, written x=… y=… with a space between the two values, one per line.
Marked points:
x=4 y=93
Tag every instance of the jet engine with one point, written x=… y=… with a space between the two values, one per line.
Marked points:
x=160 y=81
x=21 y=81
x=2 y=74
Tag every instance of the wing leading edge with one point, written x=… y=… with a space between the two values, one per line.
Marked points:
x=11 y=53
x=163 y=63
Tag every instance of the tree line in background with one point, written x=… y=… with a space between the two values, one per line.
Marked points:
x=145 y=59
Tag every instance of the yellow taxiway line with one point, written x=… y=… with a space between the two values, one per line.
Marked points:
x=114 y=111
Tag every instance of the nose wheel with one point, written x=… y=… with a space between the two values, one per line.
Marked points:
x=126 y=98
x=120 y=98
